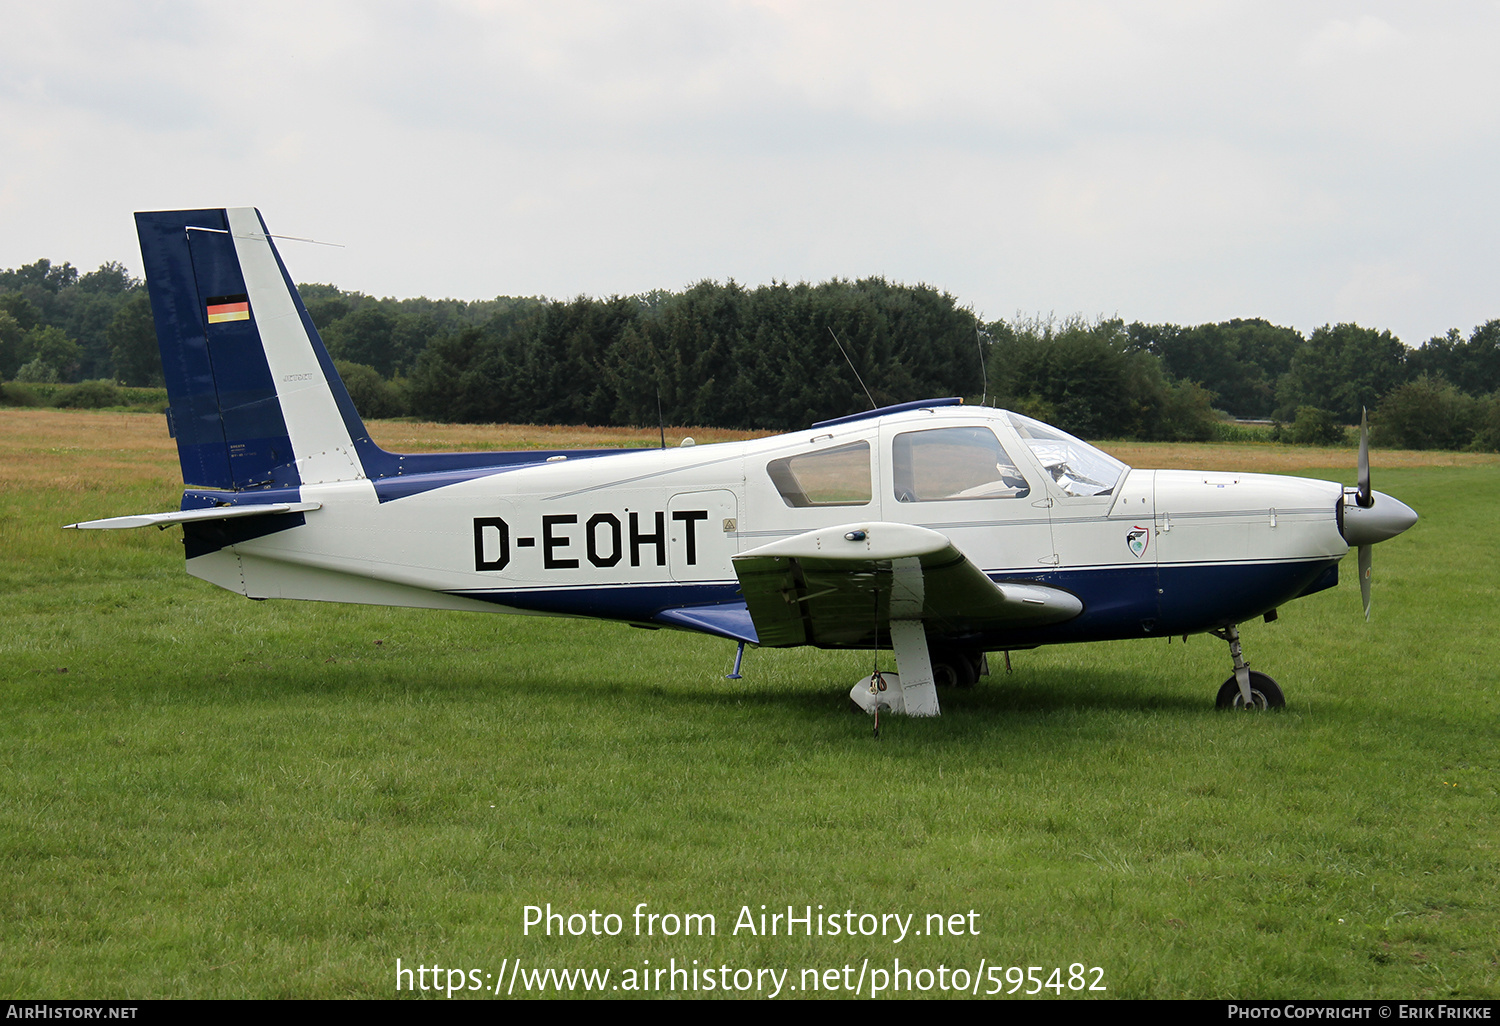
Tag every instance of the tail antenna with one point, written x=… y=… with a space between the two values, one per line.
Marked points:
x=660 y=423
x=984 y=376
x=853 y=368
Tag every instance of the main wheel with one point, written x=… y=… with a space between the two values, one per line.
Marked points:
x=953 y=668
x=1265 y=693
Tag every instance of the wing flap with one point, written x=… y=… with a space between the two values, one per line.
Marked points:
x=842 y=586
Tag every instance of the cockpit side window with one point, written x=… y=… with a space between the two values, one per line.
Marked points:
x=831 y=477
x=954 y=463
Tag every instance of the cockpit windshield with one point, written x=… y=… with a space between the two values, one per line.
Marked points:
x=1077 y=467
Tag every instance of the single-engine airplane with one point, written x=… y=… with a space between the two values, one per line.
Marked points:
x=941 y=530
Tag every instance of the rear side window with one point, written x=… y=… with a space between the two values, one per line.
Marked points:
x=832 y=477
x=954 y=463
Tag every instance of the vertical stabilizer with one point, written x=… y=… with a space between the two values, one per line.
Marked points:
x=255 y=400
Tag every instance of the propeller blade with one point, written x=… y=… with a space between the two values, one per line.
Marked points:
x=1366 y=552
x=1365 y=497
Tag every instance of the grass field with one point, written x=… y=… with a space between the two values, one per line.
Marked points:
x=207 y=797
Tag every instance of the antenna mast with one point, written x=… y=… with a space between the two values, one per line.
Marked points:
x=661 y=424
x=853 y=368
x=984 y=375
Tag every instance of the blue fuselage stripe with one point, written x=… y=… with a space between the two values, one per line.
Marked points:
x=1120 y=602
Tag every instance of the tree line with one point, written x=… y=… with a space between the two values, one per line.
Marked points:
x=783 y=355
x=57 y=325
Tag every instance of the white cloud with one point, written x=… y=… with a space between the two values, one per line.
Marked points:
x=1363 y=38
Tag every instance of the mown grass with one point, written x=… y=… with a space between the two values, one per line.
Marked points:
x=203 y=796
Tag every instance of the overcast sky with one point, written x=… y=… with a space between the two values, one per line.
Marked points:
x=1182 y=162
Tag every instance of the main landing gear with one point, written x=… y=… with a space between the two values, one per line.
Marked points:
x=922 y=670
x=1247 y=689
x=957 y=667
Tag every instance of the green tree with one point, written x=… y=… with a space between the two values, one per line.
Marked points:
x=455 y=380
x=325 y=304
x=1472 y=364
x=1239 y=361
x=20 y=308
x=111 y=279
x=1311 y=426
x=801 y=352
x=364 y=336
x=694 y=337
x=1089 y=375
x=1186 y=414
x=46 y=288
x=88 y=319
x=632 y=373
x=12 y=352
x=49 y=354
x=89 y=395
x=559 y=355
x=373 y=396
x=417 y=324
x=1487 y=424
x=40 y=274
x=1343 y=368
x=1428 y=413
x=134 y=354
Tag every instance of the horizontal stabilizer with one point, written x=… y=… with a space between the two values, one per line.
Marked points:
x=843 y=586
x=185 y=516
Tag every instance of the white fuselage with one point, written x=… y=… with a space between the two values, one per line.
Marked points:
x=627 y=534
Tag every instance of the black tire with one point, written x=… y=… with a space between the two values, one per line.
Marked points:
x=1264 y=692
x=954 y=668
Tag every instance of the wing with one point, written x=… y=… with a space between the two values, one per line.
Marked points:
x=841 y=586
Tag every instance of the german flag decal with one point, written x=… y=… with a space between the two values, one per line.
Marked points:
x=228 y=308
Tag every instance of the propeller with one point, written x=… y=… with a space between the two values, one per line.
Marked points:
x=1364 y=523
x=1366 y=500
x=1364 y=497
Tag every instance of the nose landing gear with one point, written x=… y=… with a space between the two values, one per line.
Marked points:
x=1247 y=689
x=1265 y=693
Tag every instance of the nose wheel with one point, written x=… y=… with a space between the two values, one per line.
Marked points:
x=1265 y=693
x=1247 y=689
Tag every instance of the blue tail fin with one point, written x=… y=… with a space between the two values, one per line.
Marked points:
x=255 y=400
